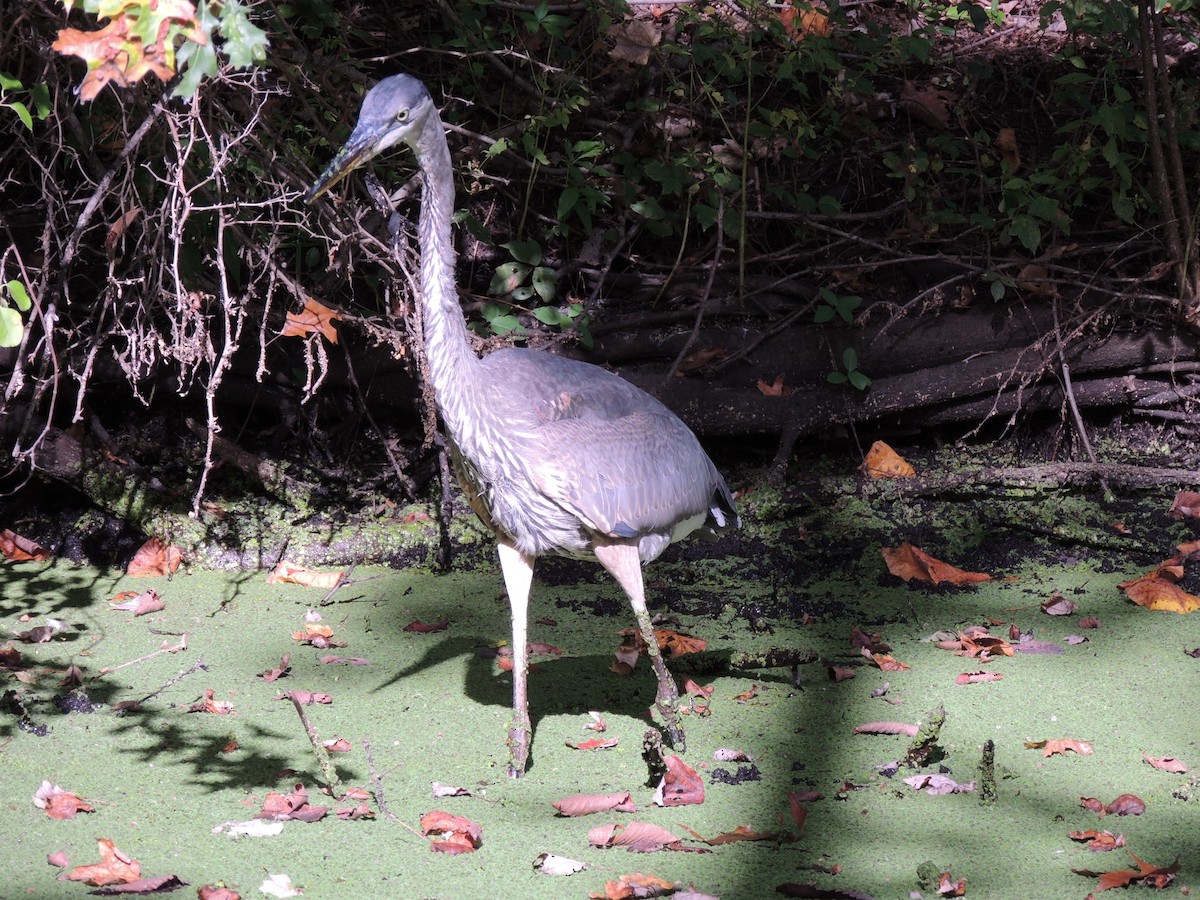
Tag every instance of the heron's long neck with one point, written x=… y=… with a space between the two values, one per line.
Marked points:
x=453 y=367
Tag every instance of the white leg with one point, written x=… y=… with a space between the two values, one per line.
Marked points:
x=624 y=564
x=517 y=569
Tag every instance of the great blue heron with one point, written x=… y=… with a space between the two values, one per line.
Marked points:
x=556 y=455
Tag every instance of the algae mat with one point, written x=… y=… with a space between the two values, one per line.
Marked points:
x=433 y=707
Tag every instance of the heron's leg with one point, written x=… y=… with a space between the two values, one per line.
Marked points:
x=625 y=565
x=517 y=568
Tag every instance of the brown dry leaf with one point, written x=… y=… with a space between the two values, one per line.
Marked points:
x=15 y=548
x=337 y=745
x=1155 y=592
x=216 y=892
x=743 y=696
x=1146 y=874
x=929 y=105
x=1124 y=805
x=1089 y=622
x=680 y=786
x=701 y=358
x=155 y=559
x=418 y=627
x=593 y=744
x=775 y=388
x=936 y=784
x=885 y=662
x=211 y=705
x=841 y=673
x=1185 y=504
x=884 y=462
x=316 y=634
x=314 y=318
x=983 y=646
x=1098 y=841
x=292 y=806
x=1060 y=745
x=948 y=887
x=119 y=227
x=1166 y=763
x=159 y=884
x=636 y=885
x=872 y=641
x=139 y=604
x=741 y=833
x=289 y=573
x=306 y=698
x=115 y=867
x=586 y=804
x=457 y=834
x=280 y=671
x=1035 y=280
x=909 y=562
x=1058 y=605
x=633 y=41
x=638 y=837
x=977 y=677
x=887 y=728
x=1006 y=143
x=59 y=803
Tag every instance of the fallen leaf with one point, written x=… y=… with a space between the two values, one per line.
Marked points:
x=887 y=728
x=139 y=604
x=977 y=677
x=289 y=573
x=216 y=892
x=306 y=698
x=1006 y=143
x=1155 y=592
x=741 y=833
x=637 y=837
x=279 y=885
x=59 y=803
x=635 y=885
x=885 y=662
x=1060 y=745
x=884 y=462
x=457 y=834
x=680 y=785
x=292 y=806
x=1058 y=605
x=909 y=562
x=841 y=673
x=586 y=804
x=775 y=388
x=211 y=705
x=1147 y=874
x=549 y=864
x=1126 y=805
x=115 y=867
x=154 y=559
x=1089 y=622
x=447 y=790
x=728 y=754
x=593 y=744
x=633 y=41
x=280 y=671
x=1098 y=841
x=41 y=634
x=938 y=784
x=159 y=884
x=18 y=549
x=1166 y=763
x=1185 y=504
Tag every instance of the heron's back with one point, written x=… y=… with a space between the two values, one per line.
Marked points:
x=560 y=451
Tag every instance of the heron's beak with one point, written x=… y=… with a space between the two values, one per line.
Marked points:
x=363 y=144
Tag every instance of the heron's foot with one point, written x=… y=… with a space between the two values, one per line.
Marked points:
x=519 y=736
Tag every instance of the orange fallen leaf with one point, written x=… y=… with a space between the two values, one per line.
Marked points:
x=1185 y=504
x=1166 y=763
x=593 y=744
x=884 y=462
x=977 y=677
x=292 y=806
x=18 y=549
x=59 y=803
x=314 y=318
x=115 y=867
x=640 y=837
x=886 y=663
x=209 y=704
x=154 y=559
x=418 y=627
x=457 y=834
x=139 y=604
x=636 y=885
x=1060 y=745
x=909 y=562
x=775 y=388
x=741 y=833
x=289 y=573
x=1146 y=874
x=1098 y=841
x=1155 y=592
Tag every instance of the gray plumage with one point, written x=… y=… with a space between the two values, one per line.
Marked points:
x=556 y=455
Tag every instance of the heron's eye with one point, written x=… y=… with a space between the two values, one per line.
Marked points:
x=402 y=116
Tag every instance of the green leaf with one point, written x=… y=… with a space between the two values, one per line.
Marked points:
x=11 y=327
x=22 y=112
x=1026 y=230
x=528 y=252
x=997 y=290
x=836 y=378
x=649 y=208
x=545 y=282
x=504 y=324
x=850 y=359
x=567 y=201
x=549 y=315
x=824 y=314
x=828 y=206
x=706 y=215
x=859 y=380
x=8 y=83
x=19 y=295
x=245 y=43
x=508 y=277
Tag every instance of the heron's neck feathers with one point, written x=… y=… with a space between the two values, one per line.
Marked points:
x=454 y=369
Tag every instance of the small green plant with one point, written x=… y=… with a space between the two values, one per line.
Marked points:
x=852 y=375
x=524 y=275
x=12 y=327
x=39 y=97
x=831 y=306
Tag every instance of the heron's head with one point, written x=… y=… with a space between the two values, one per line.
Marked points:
x=393 y=111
